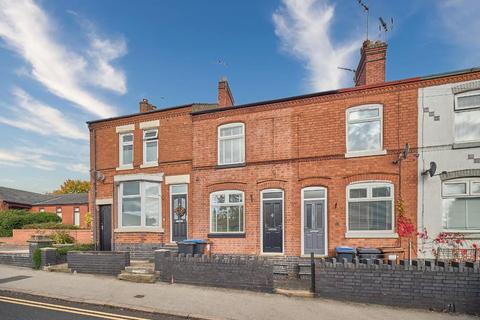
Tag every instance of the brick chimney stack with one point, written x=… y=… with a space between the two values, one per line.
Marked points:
x=371 y=68
x=225 y=97
x=145 y=106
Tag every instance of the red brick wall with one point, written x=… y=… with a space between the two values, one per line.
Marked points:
x=20 y=236
x=67 y=212
x=175 y=157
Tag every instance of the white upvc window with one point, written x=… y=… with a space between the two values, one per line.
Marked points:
x=58 y=211
x=139 y=204
x=76 y=216
x=467 y=117
x=231 y=144
x=461 y=204
x=364 y=130
x=126 y=149
x=370 y=208
x=150 y=147
x=226 y=212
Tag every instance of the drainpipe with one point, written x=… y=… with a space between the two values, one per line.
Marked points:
x=94 y=187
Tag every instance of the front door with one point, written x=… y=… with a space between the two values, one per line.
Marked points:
x=179 y=213
x=314 y=227
x=272 y=225
x=106 y=227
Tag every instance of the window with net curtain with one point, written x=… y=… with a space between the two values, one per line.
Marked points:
x=226 y=212
x=126 y=149
x=370 y=207
x=231 y=144
x=140 y=204
x=467 y=117
x=150 y=146
x=364 y=129
x=461 y=204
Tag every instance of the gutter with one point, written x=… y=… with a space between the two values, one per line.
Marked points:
x=94 y=187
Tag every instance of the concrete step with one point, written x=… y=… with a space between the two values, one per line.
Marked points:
x=58 y=268
x=140 y=269
x=295 y=293
x=138 y=277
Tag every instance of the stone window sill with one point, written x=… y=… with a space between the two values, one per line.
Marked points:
x=226 y=235
x=466 y=145
x=365 y=154
x=371 y=235
x=138 y=229
x=148 y=165
x=227 y=166
x=130 y=167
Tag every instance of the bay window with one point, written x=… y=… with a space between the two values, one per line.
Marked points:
x=364 y=129
x=461 y=204
x=467 y=117
x=139 y=204
x=370 y=207
x=226 y=212
x=231 y=144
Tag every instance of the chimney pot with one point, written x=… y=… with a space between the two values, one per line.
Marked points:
x=145 y=106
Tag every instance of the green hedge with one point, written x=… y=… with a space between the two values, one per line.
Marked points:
x=78 y=247
x=16 y=219
x=51 y=226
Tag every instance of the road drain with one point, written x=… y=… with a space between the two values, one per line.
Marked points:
x=139 y=296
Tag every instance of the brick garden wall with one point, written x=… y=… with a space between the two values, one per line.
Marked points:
x=98 y=262
x=250 y=273
x=20 y=236
x=438 y=287
x=16 y=259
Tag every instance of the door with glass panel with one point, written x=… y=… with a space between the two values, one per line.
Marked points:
x=179 y=211
x=314 y=220
x=272 y=207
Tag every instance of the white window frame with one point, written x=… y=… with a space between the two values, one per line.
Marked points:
x=226 y=204
x=303 y=216
x=41 y=210
x=171 y=206
x=370 y=185
x=146 y=163
x=467 y=195
x=469 y=109
x=362 y=153
x=142 y=227
x=75 y=211
x=121 y=144
x=261 y=220
x=59 y=213
x=219 y=139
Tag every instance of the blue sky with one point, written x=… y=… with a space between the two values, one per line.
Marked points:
x=65 y=62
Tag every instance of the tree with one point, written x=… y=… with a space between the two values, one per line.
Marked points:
x=73 y=186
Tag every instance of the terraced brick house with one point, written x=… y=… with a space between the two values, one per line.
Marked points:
x=288 y=176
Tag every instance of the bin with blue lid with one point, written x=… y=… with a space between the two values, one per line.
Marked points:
x=344 y=252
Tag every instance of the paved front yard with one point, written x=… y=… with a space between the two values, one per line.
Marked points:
x=208 y=303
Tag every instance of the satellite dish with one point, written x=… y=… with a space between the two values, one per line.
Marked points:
x=431 y=171
x=99 y=176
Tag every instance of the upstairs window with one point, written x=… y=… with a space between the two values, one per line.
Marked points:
x=370 y=206
x=461 y=204
x=231 y=144
x=364 y=129
x=467 y=117
x=150 y=146
x=126 y=149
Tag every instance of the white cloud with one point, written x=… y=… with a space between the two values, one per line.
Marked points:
x=78 y=167
x=303 y=27
x=460 y=27
x=16 y=158
x=32 y=115
x=30 y=32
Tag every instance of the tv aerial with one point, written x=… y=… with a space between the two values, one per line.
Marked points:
x=403 y=154
x=431 y=171
x=349 y=70
x=385 y=27
x=366 y=9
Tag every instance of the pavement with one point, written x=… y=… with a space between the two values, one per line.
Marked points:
x=197 y=302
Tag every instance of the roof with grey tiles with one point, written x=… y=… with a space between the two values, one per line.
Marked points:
x=32 y=198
